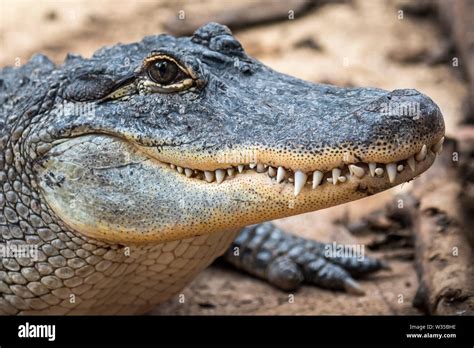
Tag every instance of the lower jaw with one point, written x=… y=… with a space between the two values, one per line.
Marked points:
x=252 y=198
x=242 y=200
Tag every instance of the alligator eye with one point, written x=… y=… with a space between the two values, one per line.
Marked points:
x=159 y=73
x=163 y=71
x=164 y=74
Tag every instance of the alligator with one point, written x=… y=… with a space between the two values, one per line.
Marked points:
x=125 y=174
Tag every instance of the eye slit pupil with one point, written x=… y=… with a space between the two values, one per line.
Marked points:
x=161 y=67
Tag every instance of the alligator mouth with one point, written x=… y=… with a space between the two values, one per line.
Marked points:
x=102 y=175
x=316 y=178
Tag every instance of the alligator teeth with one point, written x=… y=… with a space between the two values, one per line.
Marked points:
x=420 y=156
x=412 y=163
x=438 y=147
x=391 y=171
x=317 y=178
x=260 y=168
x=357 y=171
x=372 y=167
x=220 y=175
x=209 y=176
x=336 y=173
x=342 y=178
x=281 y=172
x=272 y=172
x=379 y=171
x=300 y=180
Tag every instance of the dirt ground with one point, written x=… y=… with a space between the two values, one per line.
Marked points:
x=358 y=43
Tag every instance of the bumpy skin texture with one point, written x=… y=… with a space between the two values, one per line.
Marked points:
x=86 y=178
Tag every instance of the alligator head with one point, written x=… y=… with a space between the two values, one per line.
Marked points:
x=176 y=137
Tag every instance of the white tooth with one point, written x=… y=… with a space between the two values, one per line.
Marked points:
x=290 y=179
x=357 y=171
x=329 y=180
x=172 y=166
x=372 y=167
x=272 y=172
x=230 y=171
x=438 y=147
x=180 y=170
x=188 y=172
x=317 y=177
x=240 y=167
x=411 y=163
x=300 y=180
x=420 y=156
x=400 y=168
x=391 y=171
x=342 y=178
x=252 y=165
x=265 y=165
x=379 y=171
x=281 y=172
x=336 y=173
x=220 y=175
x=209 y=176
x=260 y=168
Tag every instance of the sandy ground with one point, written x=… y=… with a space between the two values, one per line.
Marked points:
x=355 y=43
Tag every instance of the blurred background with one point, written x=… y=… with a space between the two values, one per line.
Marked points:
x=427 y=45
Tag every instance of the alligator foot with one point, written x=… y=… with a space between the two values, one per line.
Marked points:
x=286 y=261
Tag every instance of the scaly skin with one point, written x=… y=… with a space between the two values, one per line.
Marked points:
x=123 y=170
